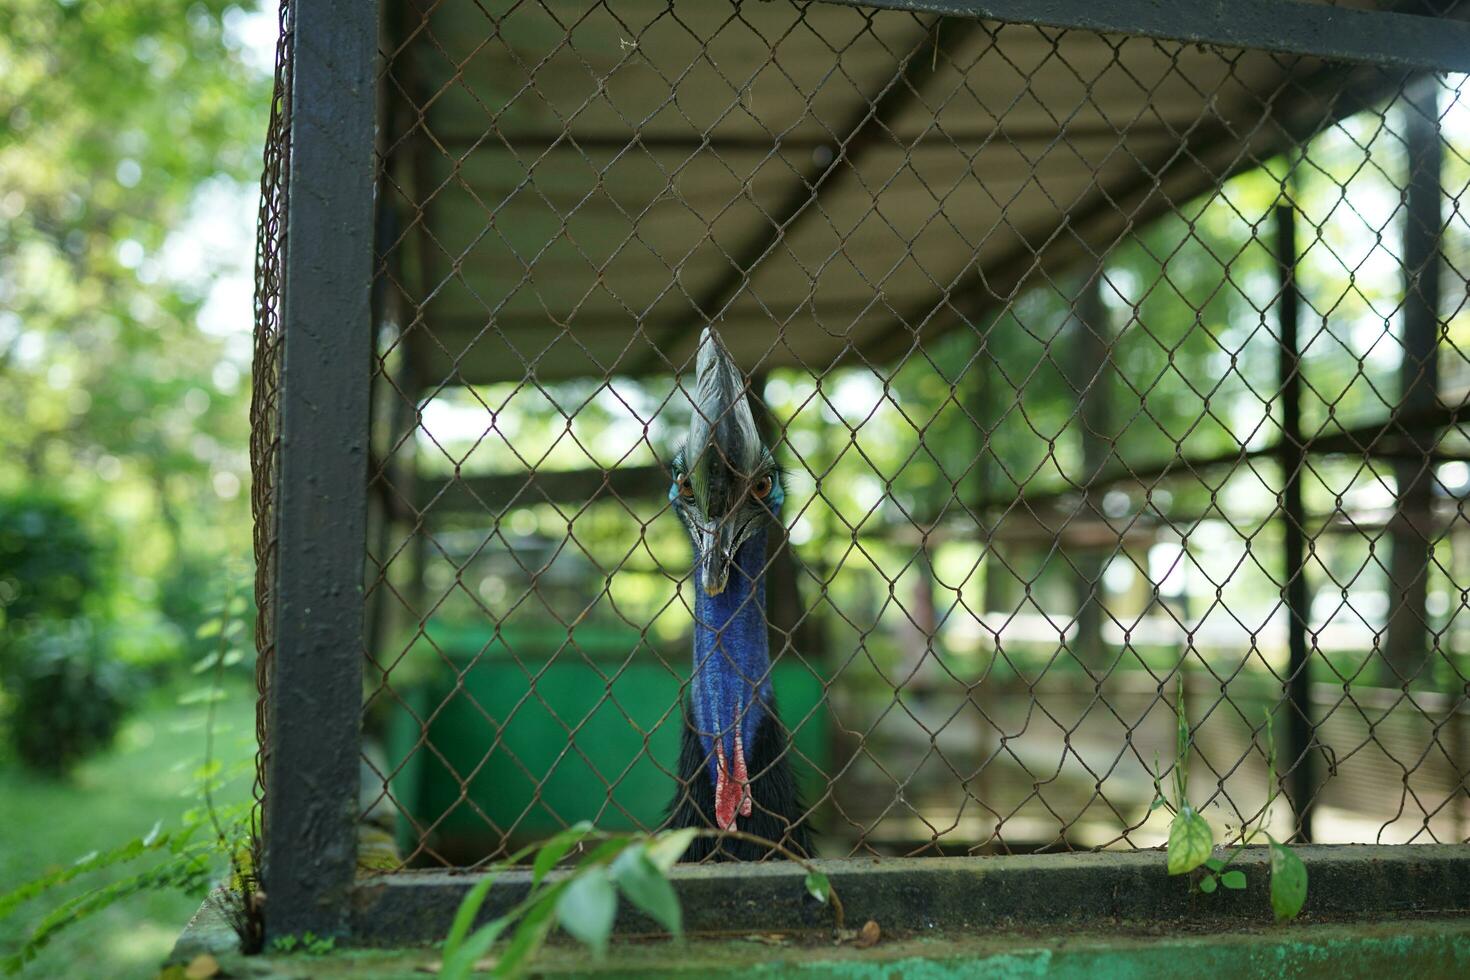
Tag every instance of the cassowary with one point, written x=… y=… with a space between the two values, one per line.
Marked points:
x=733 y=770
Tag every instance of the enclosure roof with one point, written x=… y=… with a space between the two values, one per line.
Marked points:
x=574 y=190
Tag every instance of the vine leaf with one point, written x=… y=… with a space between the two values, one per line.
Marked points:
x=646 y=887
x=668 y=847
x=1288 y=882
x=1234 y=880
x=1190 y=841
x=587 y=907
x=464 y=916
x=557 y=848
x=818 y=886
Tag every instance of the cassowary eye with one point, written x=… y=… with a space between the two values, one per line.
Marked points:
x=685 y=489
x=762 y=488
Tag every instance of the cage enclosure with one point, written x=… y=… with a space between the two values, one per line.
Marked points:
x=1112 y=354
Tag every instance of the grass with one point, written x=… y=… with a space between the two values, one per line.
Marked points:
x=147 y=777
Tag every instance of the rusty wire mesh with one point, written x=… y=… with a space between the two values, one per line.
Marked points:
x=265 y=373
x=1017 y=306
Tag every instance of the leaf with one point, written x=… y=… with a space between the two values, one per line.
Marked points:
x=587 y=907
x=96 y=860
x=1190 y=841
x=1288 y=882
x=466 y=960
x=202 y=967
x=667 y=848
x=1181 y=746
x=647 y=888
x=1234 y=880
x=557 y=848
x=818 y=886
x=530 y=934
x=1215 y=864
x=1208 y=883
x=464 y=916
x=604 y=852
x=210 y=627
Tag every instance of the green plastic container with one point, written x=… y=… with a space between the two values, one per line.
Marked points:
x=539 y=731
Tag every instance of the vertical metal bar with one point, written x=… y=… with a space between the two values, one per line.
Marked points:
x=1090 y=348
x=1298 y=732
x=316 y=690
x=1411 y=528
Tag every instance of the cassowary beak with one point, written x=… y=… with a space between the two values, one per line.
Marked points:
x=724 y=449
x=716 y=545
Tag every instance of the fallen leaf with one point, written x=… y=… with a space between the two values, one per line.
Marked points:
x=202 y=967
x=869 y=936
x=769 y=938
x=481 y=966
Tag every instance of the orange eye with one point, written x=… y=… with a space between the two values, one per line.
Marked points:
x=685 y=490
x=762 y=488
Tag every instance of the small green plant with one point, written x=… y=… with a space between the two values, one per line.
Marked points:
x=584 y=901
x=1192 y=842
x=308 y=943
x=187 y=859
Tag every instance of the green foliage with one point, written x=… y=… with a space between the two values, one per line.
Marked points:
x=1288 y=882
x=185 y=865
x=817 y=886
x=308 y=943
x=1191 y=840
x=643 y=883
x=67 y=695
x=584 y=900
x=50 y=562
x=125 y=128
x=587 y=906
x=185 y=859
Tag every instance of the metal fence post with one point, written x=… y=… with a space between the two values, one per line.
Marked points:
x=1408 y=647
x=1091 y=340
x=1298 y=733
x=315 y=707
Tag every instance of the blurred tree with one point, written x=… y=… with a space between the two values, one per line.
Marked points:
x=49 y=563
x=126 y=131
x=61 y=696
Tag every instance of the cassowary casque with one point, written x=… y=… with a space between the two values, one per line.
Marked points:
x=733 y=769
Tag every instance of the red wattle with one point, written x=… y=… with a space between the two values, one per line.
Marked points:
x=732 y=790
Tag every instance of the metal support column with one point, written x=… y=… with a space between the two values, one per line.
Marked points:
x=1411 y=528
x=1296 y=754
x=311 y=800
x=1091 y=348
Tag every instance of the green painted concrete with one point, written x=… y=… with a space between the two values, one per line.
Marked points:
x=625 y=734
x=1409 y=948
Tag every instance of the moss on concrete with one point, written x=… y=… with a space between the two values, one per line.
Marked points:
x=1340 y=951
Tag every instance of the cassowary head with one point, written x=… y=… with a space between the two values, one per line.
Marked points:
x=727 y=489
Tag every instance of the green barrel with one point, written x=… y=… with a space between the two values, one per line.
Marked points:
x=532 y=730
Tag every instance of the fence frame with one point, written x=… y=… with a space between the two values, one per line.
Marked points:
x=311 y=761
x=315 y=704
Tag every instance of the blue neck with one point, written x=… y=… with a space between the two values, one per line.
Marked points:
x=731 y=684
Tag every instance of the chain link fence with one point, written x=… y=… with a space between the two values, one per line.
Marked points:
x=265 y=373
x=1110 y=377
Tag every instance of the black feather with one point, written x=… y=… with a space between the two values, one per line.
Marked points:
x=777 y=811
